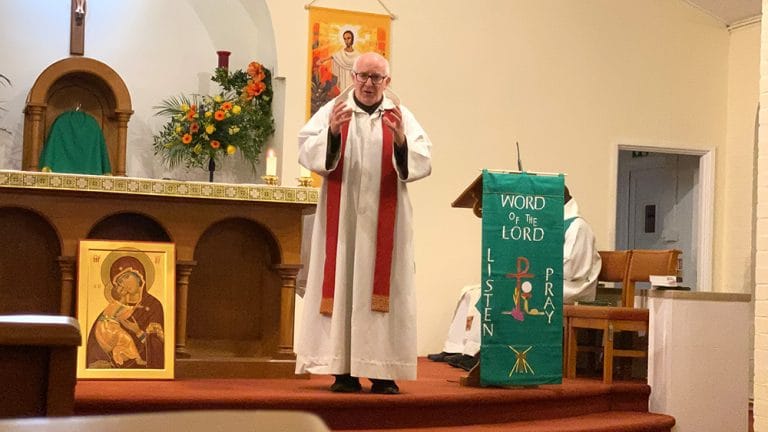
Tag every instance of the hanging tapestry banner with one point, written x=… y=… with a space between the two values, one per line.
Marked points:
x=336 y=39
x=522 y=279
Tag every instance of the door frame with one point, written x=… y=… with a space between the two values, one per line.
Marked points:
x=705 y=208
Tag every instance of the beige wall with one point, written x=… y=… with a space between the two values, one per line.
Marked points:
x=734 y=199
x=570 y=81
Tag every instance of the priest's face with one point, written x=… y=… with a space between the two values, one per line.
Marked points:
x=370 y=77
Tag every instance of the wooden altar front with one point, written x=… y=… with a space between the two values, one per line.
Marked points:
x=237 y=249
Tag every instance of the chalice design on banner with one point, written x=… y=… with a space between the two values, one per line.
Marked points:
x=523 y=290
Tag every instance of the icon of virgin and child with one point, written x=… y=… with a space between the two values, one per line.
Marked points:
x=128 y=333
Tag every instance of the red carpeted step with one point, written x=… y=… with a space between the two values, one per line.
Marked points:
x=434 y=400
x=612 y=421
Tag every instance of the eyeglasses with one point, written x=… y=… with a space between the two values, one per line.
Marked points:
x=362 y=78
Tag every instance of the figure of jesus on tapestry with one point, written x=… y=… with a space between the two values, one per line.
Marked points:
x=336 y=39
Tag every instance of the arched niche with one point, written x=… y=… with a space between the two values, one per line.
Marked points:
x=129 y=226
x=78 y=83
x=233 y=308
x=30 y=279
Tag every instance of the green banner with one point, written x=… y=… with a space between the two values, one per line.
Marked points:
x=521 y=307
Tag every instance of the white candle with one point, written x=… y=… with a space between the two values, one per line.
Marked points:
x=271 y=163
x=303 y=172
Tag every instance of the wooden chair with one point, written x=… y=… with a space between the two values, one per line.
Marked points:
x=614 y=267
x=607 y=319
x=38 y=355
x=638 y=265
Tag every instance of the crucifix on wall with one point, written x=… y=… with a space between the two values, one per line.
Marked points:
x=77 y=27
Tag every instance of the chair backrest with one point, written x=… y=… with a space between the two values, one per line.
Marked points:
x=614 y=267
x=644 y=263
x=190 y=421
x=38 y=354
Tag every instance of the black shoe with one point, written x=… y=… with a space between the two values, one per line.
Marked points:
x=452 y=358
x=463 y=361
x=346 y=384
x=441 y=357
x=468 y=362
x=381 y=386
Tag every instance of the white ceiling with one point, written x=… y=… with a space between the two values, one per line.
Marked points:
x=729 y=11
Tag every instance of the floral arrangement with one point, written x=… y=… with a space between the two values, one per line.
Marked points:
x=202 y=129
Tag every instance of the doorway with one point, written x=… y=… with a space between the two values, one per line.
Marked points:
x=659 y=199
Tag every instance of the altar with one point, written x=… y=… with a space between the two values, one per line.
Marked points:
x=238 y=253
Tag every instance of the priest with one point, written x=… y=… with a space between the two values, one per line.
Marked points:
x=359 y=307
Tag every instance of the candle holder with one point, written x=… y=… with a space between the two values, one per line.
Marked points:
x=270 y=180
x=223 y=59
x=305 y=181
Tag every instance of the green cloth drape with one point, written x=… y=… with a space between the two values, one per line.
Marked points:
x=75 y=144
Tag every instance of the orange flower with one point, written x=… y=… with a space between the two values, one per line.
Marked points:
x=219 y=115
x=254 y=88
x=256 y=71
x=215 y=144
x=194 y=127
x=191 y=113
x=186 y=139
x=226 y=106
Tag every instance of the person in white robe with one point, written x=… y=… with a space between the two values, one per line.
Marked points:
x=581 y=261
x=359 y=306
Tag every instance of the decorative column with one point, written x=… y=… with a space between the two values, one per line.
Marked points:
x=32 y=150
x=183 y=270
x=288 y=273
x=122 y=139
x=67 y=269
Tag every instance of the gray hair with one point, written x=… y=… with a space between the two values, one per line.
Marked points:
x=374 y=55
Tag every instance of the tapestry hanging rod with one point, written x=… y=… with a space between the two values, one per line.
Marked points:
x=391 y=15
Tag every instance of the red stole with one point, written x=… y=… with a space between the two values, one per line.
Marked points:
x=385 y=231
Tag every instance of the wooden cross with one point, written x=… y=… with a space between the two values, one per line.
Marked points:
x=77 y=28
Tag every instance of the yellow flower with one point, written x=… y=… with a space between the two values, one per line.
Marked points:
x=231 y=149
x=236 y=109
x=217 y=98
x=209 y=129
x=184 y=107
x=208 y=114
x=178 y=129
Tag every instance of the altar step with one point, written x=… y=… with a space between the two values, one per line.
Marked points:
x=612 y=421
x=434 y=402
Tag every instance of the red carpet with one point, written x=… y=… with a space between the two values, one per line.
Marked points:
x=435 y=400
